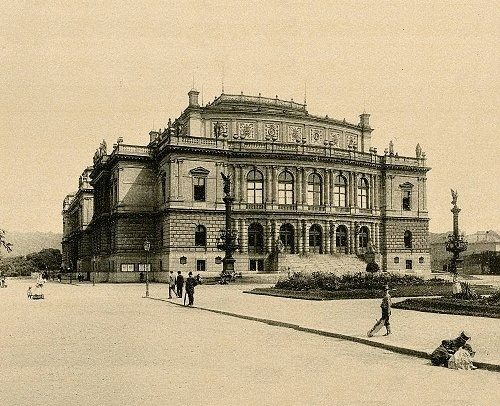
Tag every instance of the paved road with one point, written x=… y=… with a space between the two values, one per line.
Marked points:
x=106 y=345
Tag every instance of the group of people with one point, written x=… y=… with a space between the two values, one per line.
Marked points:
x=176 y=285
x=455 y=354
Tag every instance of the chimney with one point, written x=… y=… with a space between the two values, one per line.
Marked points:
x=364 y=120
x=193 y=98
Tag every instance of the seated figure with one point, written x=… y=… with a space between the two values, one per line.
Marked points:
x=442 y=354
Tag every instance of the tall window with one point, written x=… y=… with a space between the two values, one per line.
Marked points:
x=408 y=239
x=287 y=238
x=341 y=239
x=363 y=237
x=285 y=188
x=314 y=190
x=339 y=191
x=407 y=200
x=200 y=236
x=315 y=239
x=164 y=188
x=363 y=193
x=199 y=189
x=255 y=187
x=255 y=238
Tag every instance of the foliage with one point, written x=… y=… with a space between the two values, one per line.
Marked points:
x=4 y=243
x=372 y=267
x=451 y=305
x=45 y=259
x=17 y=266
x=299 y=281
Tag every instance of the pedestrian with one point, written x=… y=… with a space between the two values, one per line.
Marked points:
x=171 y=285
x=30 y=292
x=179 y=282
x=444 y=354
x=190 y=284
x=386 y=314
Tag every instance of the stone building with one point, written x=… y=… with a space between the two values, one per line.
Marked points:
x=312 y=185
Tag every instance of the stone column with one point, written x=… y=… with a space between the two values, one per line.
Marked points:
x=275 y=184
x=351 y=238
x=298 y=184
x=242 y=184
x=305 y=232
x=268 y=236
x=243 y=235
x=304 y=186
x=179 y=178
x=269 y=185
x=326 y=188
x=326 y=238
x=333 y=237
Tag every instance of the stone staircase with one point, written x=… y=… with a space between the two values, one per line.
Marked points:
x=335 y=263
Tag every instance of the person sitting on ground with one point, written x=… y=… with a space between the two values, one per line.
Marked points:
x=442 y=354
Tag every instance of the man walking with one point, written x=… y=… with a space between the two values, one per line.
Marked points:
x=386 y=313
x=171 y=285
x=190 y=284
x=179 y=282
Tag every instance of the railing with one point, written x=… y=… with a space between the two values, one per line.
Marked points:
x=256 y=206
x=287 y=207
x=317 y=208
x=131 y=150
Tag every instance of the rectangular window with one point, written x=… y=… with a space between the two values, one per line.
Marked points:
x=142 y=267
x=199 y=189
x=200 y=265
x=285 y=193
x=127 y=267
x=406 y=200
x=257 y=265
x=164 y=188
x=409 y=264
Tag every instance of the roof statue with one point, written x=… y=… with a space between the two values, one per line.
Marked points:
x=454 y=197
x=227 y=183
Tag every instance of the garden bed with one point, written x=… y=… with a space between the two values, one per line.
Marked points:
x=429 y=289
x=450 y=305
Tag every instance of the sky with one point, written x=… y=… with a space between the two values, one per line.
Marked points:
x=73 y=73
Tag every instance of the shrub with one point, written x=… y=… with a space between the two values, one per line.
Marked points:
x=361 y=280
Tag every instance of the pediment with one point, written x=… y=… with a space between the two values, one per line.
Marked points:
x=199 y=171
x=406 y=185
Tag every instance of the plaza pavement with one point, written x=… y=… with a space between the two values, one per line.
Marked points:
x=414 y=333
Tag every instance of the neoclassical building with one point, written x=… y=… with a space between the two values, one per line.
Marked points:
x=312 y=186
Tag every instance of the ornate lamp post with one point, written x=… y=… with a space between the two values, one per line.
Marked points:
x=227 y=239
x=456 y=243
x=147 y=247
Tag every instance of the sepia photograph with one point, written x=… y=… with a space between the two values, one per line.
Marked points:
x=249 y=202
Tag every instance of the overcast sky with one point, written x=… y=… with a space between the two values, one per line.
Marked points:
x=76 y=72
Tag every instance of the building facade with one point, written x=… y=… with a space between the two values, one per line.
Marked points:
x=309 y=185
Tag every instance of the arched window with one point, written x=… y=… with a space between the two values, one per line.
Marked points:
x=285 y=188
x=255 y=238
x=341 y=239
x=200 y=236
x=314 y=190
x=363 y=193
x=408 y=239
x=315 y=239
x=363 y=237
x=287 y=238
x=339 y=191
x=255 y=187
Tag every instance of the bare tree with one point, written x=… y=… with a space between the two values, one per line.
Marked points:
x=4 y=243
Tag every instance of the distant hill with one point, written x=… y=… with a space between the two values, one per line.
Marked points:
x=27 y=243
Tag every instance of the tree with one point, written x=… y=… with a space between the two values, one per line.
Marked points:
x=49 y=258
x=4 y=243
x=372 y=267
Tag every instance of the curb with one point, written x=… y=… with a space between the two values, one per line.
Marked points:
x=359 y=340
